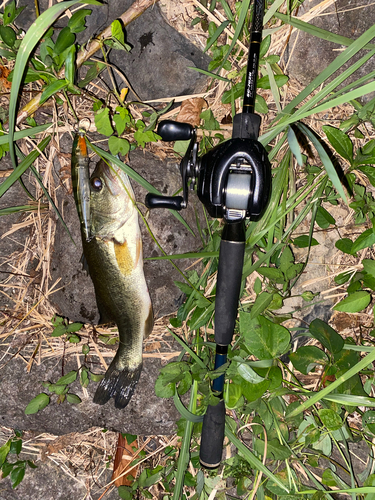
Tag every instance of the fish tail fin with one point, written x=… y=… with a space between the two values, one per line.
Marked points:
x=118 y=384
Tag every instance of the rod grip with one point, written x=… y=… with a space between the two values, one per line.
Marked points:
x=212 y=438
x=228 y=286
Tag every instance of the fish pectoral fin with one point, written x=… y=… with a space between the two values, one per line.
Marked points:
x=85 y=265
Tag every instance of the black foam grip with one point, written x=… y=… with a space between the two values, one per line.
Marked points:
x=158 y=201
x=175 y=131
x=212 y=438
x=228 y=289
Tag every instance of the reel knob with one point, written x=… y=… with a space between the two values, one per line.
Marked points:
x=175 y=131
x=159 y=201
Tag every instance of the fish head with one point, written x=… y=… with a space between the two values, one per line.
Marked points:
x=111 y=200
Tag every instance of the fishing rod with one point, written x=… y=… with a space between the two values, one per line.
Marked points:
x=233 y=182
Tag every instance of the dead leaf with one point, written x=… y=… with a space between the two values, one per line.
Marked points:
x=124 y=457
x=5 y=85
x=190 y=111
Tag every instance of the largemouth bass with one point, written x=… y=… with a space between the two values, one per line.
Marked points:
x=114 y=257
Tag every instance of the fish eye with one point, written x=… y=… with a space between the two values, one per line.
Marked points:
x=96 y=184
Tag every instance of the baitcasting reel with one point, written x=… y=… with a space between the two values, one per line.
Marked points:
x=233 y=179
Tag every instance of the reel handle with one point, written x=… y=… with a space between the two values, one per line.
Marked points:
x=170 y=130
x=160 y=201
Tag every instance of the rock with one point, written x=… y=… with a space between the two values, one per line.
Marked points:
x=146 y=414
x=311 y=55
x=160 y=61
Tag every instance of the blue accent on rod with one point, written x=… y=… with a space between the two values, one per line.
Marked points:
x=218 y=383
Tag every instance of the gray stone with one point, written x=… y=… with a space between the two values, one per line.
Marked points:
x=311 y=55
x=159 y=64
x=146 y=414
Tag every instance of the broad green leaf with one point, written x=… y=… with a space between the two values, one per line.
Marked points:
x=103 y=122
x=4 y=450
x=306 y=358
x=265 y=339
x=68 y=378
x=369 y=266
x=163 y=390
x=264 y=82
x=51 y=89
x=330 y=419
x=274 y=450
x=326 y=335
x=77 y=21
x=7 y=35
x=345 y=245
x=73 y=399
x=261 y=303
x=70 y=66
x=369 y=171
x=368 y=420
x=340 y=142
x=11 y=12
x=254 y=391
x=286 y=259
x=58 y=331
x=249 y=374
x=118 y=145
x=65 y=39
x=74 y=327
x=174 y=372
x=37 y=404
x=364 y=240
x=303 y=241
x=17 y=475
x=232 y=394
x=355 y=302
x=272 y=274
x=323 y=218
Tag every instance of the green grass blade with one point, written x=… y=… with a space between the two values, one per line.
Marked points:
x=328 y=165
x=361 y=365
x=319 y=32
x=188 y=255
x=271 y=11
x=241 y=21
x=27 y=132
x=20 y=208
x=23 y=166
x=138 y=178
x=184 y=456
x=186 y=348
x=32 y=37
x=251 y=458
x=332 y=68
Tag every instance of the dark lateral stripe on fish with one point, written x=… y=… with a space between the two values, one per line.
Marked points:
x=118 y=385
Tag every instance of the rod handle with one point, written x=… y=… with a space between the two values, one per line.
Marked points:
x=212 y=438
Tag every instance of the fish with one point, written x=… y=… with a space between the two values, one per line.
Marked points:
x=81 y=181
x=113 y=254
